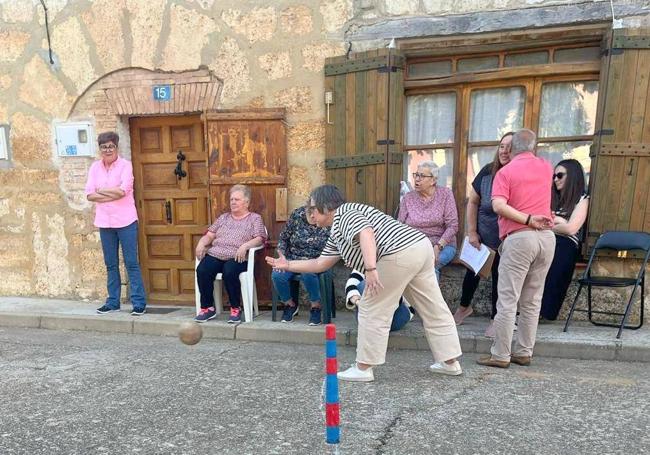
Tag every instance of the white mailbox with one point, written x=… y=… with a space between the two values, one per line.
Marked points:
x=75 y=139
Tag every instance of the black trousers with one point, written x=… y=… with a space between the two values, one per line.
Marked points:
x=559 y=277
x=207 y=271
x=470 y=284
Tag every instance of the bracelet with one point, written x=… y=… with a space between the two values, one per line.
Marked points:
x=371 y=269
x=528 y=220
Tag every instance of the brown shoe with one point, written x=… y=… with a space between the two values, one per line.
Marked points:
x=488 y=361
x=523 y=360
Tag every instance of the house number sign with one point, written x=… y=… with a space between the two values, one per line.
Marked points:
x=162 y=92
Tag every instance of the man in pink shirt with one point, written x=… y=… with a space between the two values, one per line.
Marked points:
x=110 y=186
x=521 y=196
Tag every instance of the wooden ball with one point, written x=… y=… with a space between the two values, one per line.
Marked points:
x=190 y=333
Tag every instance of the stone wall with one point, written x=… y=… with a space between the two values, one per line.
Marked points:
x=257 y=54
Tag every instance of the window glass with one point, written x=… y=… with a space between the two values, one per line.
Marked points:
x=430 y=69
x=430 y=119
x=528 y=58
x=466 y=65
x=444 y=159
x=578 y=54
x=494 y=112
x=558 y=151
x=477 y=157
x=568 y=109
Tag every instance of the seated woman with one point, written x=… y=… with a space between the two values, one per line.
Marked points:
x=300 y=239
x=224 y=249
x=354 y=288
x=431 y=209
x=569 y=203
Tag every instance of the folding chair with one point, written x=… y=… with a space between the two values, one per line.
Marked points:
x=617 y=241
x=248 y=289
x=326 y=293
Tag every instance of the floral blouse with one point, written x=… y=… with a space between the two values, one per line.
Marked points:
x=436 y=217
x=301 y=240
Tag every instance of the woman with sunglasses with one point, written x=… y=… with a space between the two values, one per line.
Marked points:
x=431 y=209
x=482 y=227
x=569 y=204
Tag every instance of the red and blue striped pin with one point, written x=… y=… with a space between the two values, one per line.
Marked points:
x=332 y=420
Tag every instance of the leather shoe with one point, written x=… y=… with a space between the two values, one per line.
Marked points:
x=523 y=360
x=490 y=362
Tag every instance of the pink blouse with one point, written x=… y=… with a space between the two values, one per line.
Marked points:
x=118 y=213
x=436 y=217
x=232 y=233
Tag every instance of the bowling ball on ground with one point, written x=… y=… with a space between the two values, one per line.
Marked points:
x=190 y=333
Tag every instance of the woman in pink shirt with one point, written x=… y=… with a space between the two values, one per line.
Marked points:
x=431 y=209
x=110 y=187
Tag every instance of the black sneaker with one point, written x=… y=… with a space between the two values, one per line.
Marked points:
x=289 y=313
x=314 y=316
x=106 y=309
x=205 y=315
x=138 y=311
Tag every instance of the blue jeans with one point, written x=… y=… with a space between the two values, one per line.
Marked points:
x=446 y=255
x=401 y=316
x=282 y=280
x=111 y=239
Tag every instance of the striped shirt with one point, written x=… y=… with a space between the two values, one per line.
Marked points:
x=351 y=218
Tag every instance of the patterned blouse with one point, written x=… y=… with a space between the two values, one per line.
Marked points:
x=301 y=240
x=436 y=217
x=232 y=233
x=351 y=218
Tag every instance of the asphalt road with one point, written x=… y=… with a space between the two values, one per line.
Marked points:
x=86 y=393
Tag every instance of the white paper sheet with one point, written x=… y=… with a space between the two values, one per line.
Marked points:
x=474 y=258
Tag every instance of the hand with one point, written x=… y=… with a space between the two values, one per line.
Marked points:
x=436 y=253
x=373 y=285
x=240 y=255
x=474 y=240
x=540 y=222
x=200 y=252
x=280 y=263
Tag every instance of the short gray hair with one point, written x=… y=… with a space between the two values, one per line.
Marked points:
x=245 y=190
x=327 y=198
x=523 y=141
x=431 y=166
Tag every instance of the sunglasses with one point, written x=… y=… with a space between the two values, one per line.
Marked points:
x=559 y=175
x=417 y=175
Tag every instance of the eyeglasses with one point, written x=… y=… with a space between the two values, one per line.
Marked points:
x=310 y=209
x=418 y=176
x=106 y=148
x=559 y=175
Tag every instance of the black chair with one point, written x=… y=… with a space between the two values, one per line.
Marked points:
x=617 y=241
x=326 y=293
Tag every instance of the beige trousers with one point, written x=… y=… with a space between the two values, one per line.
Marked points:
x=526 y=257
x=411 y=273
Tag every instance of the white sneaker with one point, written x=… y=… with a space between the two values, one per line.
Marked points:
x=453 y=369
x=354 y=374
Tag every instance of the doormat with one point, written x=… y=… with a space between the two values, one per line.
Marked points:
x=161 y=309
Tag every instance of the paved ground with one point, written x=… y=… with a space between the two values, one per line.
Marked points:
x=83 y=392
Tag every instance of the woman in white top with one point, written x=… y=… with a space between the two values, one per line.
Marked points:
x=395 y=259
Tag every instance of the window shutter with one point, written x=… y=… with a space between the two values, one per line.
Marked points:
x=364 y=156
x=620 y=177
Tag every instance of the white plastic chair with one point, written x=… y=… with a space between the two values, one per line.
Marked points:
x=248 y=289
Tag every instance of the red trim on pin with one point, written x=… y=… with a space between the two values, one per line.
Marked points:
x=330 y=332
x=332 y=415
x=331 y=366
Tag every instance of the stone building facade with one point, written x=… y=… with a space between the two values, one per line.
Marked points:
x=106 y=55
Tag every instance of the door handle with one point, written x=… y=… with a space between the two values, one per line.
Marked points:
x=168 y=211
x=179 y=172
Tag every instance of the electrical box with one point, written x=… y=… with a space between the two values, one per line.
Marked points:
x=75 y=139
x=4 y=142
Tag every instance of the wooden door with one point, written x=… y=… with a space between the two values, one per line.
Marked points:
x=173 y=209
x=364 y=156
x=620 y=199
x=250 y=148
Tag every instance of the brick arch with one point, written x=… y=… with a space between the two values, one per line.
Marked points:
x=128 y=92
